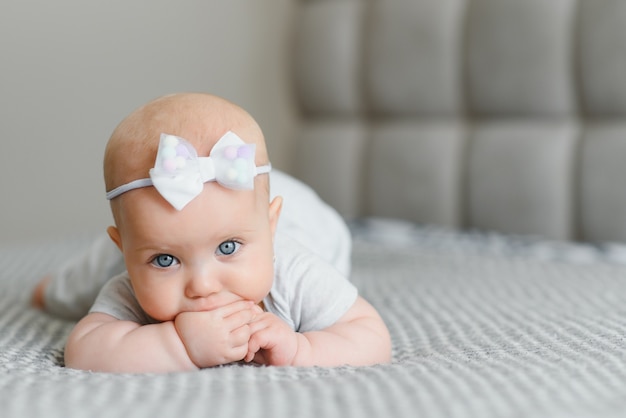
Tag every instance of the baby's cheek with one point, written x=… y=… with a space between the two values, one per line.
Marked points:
x=156 y=305
x=263 y=283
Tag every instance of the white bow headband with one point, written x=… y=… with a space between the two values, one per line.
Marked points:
x=179 y=174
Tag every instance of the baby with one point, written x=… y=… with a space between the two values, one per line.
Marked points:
x=210 y=277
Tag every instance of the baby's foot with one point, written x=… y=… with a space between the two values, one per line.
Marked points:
x=37 y=299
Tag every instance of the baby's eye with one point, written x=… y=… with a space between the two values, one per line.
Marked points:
x=164 y=260
x=228 y=247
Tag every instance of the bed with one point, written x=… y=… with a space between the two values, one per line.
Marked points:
x=483 y=325
x=477 y=150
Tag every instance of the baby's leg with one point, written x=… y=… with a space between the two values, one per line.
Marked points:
x=312 y=222
x=70 y=291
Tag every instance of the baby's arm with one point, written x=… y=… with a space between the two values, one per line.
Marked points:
x=359 y=338
x=100 y=342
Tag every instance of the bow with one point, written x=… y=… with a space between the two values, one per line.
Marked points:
x=179 y=174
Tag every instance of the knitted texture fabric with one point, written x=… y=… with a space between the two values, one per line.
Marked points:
x=482 y=325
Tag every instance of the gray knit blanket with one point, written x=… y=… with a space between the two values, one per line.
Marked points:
x=483 y=325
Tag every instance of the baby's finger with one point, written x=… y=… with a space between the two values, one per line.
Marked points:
x=240 y=305
x=260 y=322
x=239 y=352
x=251 y=353
x=239 y=318
x=240 y=336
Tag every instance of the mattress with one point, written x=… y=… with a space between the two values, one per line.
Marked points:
x=482 y=325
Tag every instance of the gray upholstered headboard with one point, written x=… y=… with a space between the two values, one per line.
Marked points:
x=505 y=115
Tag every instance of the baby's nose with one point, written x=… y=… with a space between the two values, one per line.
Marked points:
x=202 y=284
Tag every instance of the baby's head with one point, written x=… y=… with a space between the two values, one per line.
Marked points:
x=218 y=248
x=199 y=118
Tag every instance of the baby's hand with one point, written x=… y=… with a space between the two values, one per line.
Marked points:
x=219 y=336
x=272 y=341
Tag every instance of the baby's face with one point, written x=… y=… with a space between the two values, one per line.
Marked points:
x=216 y=251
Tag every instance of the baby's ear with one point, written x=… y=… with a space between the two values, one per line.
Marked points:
x=276 y=205
x=114 y=234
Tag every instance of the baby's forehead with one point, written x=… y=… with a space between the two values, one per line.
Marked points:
x=216 y=212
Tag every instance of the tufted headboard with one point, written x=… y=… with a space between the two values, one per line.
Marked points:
x=506 y=115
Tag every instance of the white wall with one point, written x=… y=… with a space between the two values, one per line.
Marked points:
x=70 y=70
